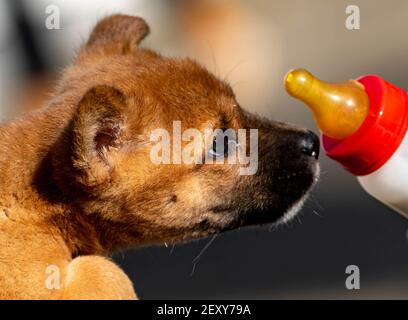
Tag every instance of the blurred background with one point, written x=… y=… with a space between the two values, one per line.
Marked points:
x=252 y=44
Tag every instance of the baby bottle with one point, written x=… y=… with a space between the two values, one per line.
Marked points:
x=364 y=128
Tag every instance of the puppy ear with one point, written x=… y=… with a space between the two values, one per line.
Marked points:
x=117 y=34
x=97 y=134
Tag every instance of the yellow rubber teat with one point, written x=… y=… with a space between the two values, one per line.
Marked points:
x=339 y=109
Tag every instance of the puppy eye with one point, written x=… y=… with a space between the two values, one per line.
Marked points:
x=222 y=145
x=215 y=151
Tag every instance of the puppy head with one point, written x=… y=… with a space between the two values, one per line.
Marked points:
x=122 y=94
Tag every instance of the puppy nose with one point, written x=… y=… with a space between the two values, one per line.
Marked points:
x=309 y=144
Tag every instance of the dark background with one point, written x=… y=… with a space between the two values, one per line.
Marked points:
x=253 y=43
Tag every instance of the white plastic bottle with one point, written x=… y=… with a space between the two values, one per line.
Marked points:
x=389 y=183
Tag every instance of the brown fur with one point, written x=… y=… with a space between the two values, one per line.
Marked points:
x=77 y=182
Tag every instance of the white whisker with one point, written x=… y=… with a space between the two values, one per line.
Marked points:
x=197 y=258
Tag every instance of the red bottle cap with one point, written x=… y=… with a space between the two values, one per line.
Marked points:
x=381 y=133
